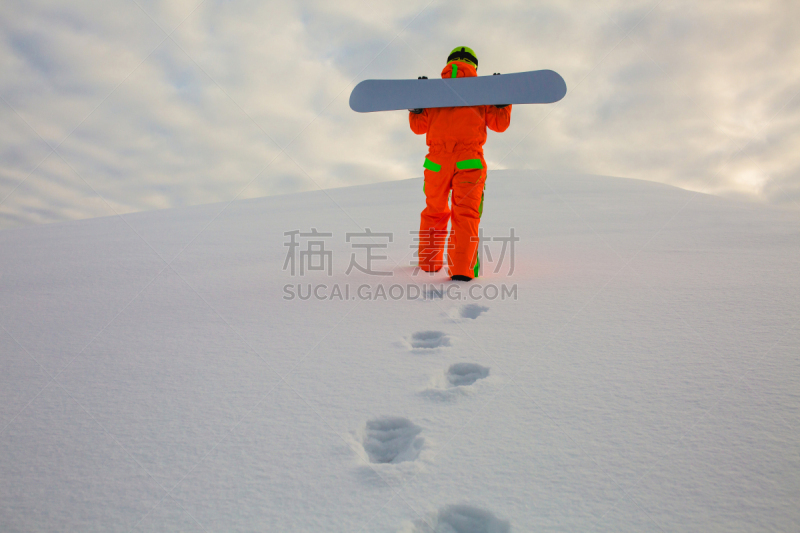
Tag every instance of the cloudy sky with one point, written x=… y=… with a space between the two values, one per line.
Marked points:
x=115 y=106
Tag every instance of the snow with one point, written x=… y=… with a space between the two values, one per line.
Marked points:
x=641 y=374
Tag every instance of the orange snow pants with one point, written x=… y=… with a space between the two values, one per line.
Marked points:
x=454 y=182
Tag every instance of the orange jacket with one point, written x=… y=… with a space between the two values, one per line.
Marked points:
x=462 y=126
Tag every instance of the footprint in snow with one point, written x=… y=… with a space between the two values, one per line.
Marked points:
x=455 y=382
x=462 y=374
x=428 y=340
x=392 y=439
x=468 y=311
x=460 y=519
x=472 y=311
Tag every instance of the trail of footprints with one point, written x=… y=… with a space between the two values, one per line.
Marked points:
x=392 y=440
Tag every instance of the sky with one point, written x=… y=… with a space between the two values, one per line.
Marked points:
x=117 y=106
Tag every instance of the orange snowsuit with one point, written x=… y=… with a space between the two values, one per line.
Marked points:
x=455 y=137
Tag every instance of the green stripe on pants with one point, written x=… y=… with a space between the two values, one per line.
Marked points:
x=469 y=164
x=430 y=165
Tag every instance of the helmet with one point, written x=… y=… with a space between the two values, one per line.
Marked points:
x=463 y=53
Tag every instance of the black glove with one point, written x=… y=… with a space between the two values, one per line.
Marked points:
x=423 y=78
x=496 y=74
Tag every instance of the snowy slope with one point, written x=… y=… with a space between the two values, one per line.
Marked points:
x=642 y=373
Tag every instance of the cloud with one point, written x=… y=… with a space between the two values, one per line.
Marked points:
x=250 y=98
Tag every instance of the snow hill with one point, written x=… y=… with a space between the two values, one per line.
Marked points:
x=637 y=371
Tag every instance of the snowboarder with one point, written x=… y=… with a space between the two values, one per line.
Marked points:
x=455 y=173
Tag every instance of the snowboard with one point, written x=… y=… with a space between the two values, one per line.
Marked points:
x=534 y=87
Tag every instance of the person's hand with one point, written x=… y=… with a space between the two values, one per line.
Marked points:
x=416 y=111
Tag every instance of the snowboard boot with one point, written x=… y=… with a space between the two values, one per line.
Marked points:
x=459 y=277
